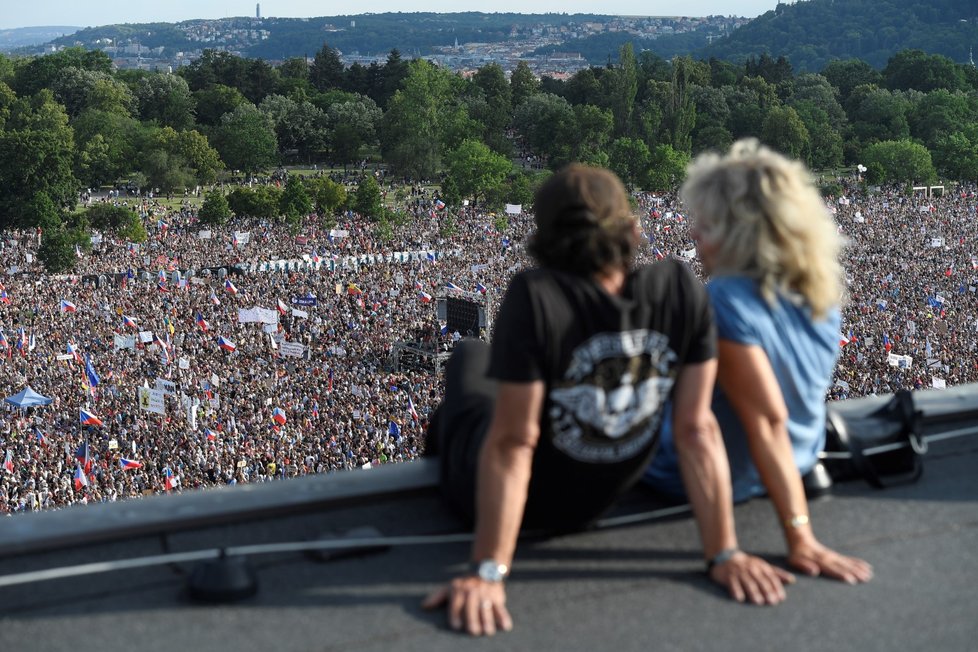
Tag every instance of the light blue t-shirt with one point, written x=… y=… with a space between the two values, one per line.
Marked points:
x=802 y=353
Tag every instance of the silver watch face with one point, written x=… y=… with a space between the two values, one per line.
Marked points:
x=492 y=571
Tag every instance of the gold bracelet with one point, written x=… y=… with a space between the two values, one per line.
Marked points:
x=797 y=521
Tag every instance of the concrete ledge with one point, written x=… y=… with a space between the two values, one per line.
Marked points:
x=43 y=531
x=86 y=524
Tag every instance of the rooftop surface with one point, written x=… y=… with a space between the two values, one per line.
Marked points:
x=630 y=587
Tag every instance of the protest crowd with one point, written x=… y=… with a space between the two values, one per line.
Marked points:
x=209 y=356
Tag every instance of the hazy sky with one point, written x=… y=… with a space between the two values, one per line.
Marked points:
x=27 y=13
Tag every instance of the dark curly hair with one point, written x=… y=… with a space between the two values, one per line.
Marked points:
x=584 y=222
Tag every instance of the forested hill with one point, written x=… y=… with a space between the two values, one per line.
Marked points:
x=810 y=33
x=280 y=38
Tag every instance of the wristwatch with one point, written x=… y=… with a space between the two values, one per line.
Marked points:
x=490 y=570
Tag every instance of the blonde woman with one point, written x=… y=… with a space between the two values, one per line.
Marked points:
x=771 y=251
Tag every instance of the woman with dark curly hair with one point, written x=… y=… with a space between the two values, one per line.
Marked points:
x=545 y=429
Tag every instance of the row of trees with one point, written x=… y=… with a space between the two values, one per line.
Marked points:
x=69 y=121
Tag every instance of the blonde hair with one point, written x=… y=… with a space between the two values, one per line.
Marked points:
x=763 y=214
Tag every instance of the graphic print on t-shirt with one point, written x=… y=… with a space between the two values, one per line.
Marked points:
x=607 y=406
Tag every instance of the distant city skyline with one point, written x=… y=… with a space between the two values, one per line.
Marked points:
x=40 y=13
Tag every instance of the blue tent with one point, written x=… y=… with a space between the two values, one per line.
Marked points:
x=26 y=398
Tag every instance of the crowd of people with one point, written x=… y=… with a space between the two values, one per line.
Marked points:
x=311 y=385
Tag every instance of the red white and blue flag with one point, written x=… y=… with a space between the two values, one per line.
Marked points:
x=84 y=456
x=204 y=326
x=226 y=344
x=278 y=416
x=413 y=412
x=129 y=321
x=210 y=434
x=214 y=299
x=480 y=288
x=229 y=286
x=72 y=350
x=68 y=306
x=8 y=462
x=129 y=464
x=451 y=286
x=42 y=439
x=170 y=481
x=88 y=419
x=424 y=296
x=81 y=480
x=4 y=297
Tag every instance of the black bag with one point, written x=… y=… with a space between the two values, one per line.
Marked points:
x=884 y=448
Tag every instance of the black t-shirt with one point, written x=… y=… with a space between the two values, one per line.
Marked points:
x=609 y=364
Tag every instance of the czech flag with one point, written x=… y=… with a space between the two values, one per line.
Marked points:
x=214 y=299
x=68 y=306
x=452 y=286
x=129 y=464
x=129 y=321
x=72 y=350
x=42 y=439
x=278 y=416
x=161 y=286
x=88 y=419
x=439 y=204
x=229 y=286
x=3 y=340
x=170 y=481
x=480 y=288
x=411 y=410
x=4 y=297
x=8 y=462
x=210 y=434
x=22 y=341
x=843 y=340
x=81 y=480
x=202 y=322
x=424 y=296
x=315 y=257
x=84 y=457
x=886 y=343
x=226 y=344
x=282 y=307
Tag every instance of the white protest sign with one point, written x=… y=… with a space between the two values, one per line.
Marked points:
x=151 y=400
x=292 y=349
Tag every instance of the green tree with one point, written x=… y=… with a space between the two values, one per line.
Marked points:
x=166 y=99
x=352 y=127
x=57 y=252
x=681 y=111
x=106 y=145
x=216 y=101
x=328 y=196
x=476 y=169
x=845 y=75
x=215 y=209
x=491 y=80
x=295 y=198
x=38 y=152
x=547 y=123
x=42 y=213
x=624 y=84
x=899 y=161
x=109 y=218
x=261 y=202
x=666 y=169
x=423 y=120
x=367 y=199
x=784 y=131
x=630 y=159
x=246 y=140
x=876 y=114
x=326 y=71
x=915 y=69
x=523 y=84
